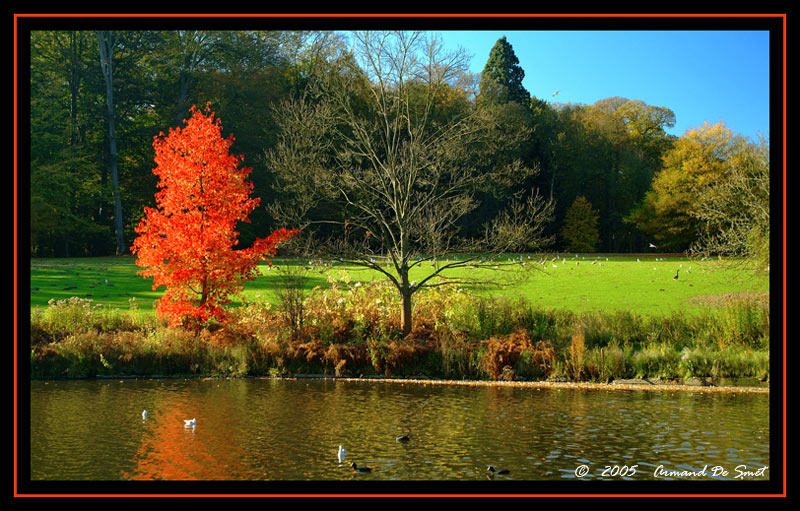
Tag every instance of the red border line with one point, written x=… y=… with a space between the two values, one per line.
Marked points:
x=395 y=495
x=16 y=334
x=406 y=15
x=401 y=15
x=785 y=482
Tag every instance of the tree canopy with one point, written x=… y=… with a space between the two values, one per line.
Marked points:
x=643 y=183
x=187 y=241
x=501 y=78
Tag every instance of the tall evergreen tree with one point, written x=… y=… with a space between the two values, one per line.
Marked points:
x=580 y=227
x=501 y=79
x=504 y=105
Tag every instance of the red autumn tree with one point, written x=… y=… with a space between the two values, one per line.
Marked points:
x=187 y=242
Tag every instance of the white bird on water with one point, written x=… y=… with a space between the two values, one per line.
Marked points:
x=144 y=414
x=342 y=453
x=189 y=422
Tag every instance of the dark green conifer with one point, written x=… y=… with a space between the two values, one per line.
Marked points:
x=501 y=79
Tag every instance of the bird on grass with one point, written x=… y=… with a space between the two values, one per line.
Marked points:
x=360 y=469
x=189 y=422
x=342 y=453
x=495 y=471
x=676 y=274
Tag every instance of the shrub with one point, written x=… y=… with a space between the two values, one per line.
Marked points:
x=657 y=360
x=743 y=323
x=575 y=356
x=604 y=363
x=62 y=318
x=354 y=329
x=517 y=356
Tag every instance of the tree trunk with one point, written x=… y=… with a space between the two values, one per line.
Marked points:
x=405 y=315
x=106 y=42
x=183 y=96
x=405 y=297
x=74 y=85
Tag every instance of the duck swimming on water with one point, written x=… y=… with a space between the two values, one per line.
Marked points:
x=360 y=469
x=495 y=471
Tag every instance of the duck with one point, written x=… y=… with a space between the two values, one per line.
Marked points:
x=402 y=438
x=189 y=422
x=360 y=469
x=342 y=453
x=495 y=471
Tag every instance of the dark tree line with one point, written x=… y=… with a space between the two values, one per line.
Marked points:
x=99 y=98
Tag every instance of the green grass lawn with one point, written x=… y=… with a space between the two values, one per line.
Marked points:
x=646 y=286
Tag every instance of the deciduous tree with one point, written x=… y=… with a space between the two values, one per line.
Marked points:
x=187 y=242
x=700 y=158
x=403 y=173
x=735 y=211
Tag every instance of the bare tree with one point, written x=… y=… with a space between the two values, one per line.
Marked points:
x=404 y=172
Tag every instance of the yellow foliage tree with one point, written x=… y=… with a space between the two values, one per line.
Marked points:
x=701 y=157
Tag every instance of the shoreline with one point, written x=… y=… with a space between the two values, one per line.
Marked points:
x=628 y=385
x=644 y=385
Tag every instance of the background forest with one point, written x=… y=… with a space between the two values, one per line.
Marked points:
x=618 y=181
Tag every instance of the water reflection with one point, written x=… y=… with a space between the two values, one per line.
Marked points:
x=254 y=429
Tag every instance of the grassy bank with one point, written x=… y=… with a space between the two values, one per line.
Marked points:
x=350 y=328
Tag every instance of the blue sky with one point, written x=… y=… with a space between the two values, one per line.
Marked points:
x=699 y=75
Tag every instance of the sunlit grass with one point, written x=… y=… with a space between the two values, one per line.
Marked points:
x=571 y=282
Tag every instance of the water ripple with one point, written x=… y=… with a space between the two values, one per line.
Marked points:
x=254 y=429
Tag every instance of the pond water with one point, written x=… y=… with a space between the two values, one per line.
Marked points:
x=287 y=430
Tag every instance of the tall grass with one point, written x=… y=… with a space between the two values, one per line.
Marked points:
x=351 y=329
